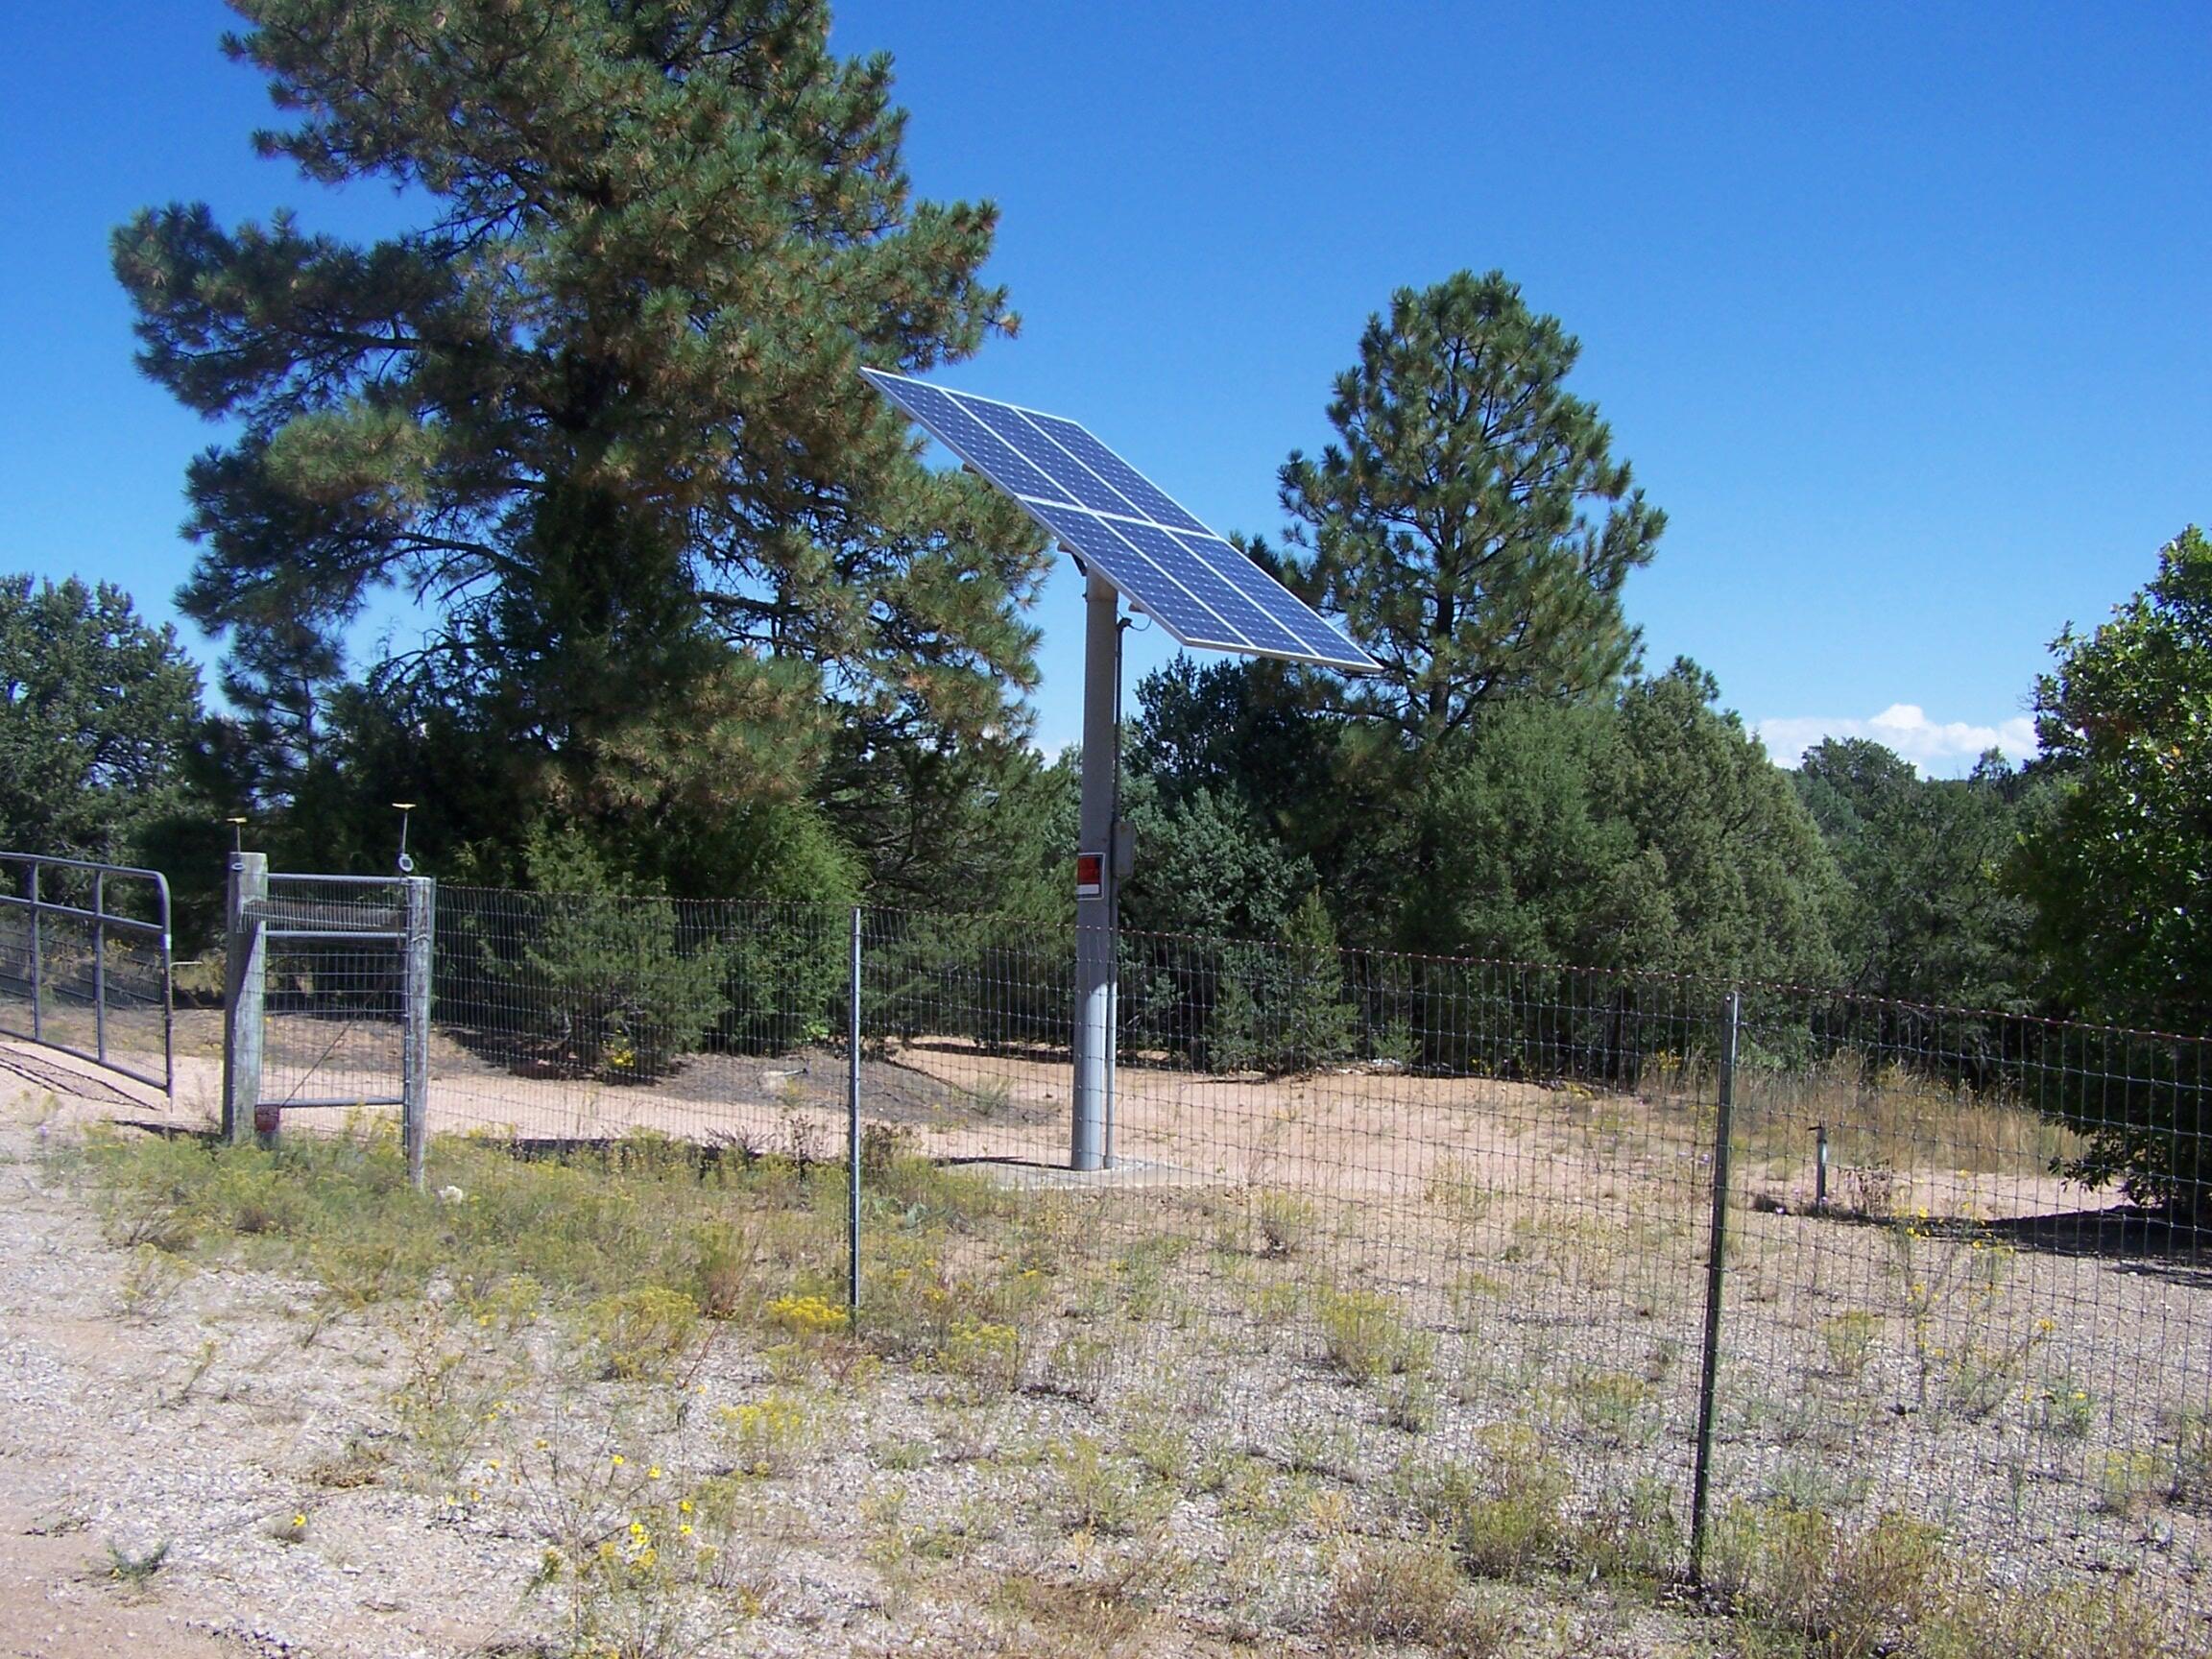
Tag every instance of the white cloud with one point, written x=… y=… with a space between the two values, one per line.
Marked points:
x=1939 y=748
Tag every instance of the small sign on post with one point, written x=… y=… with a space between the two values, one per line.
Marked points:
x=1089 y=875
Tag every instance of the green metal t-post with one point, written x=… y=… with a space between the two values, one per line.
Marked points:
x=1716 y=1265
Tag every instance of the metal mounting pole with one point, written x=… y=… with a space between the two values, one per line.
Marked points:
x=1095 y=914
x=99 y=964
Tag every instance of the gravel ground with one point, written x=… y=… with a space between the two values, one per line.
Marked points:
x=197 y=1415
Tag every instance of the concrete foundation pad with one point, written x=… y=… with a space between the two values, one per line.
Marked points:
x=1044 y=1177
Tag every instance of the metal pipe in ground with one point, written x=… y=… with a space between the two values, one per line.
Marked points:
x=1093 y=1044
x=852 y=1128
x=37 y=967
x=1715 y=1265
x=99 y=964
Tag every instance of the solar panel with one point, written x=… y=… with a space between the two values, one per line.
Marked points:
x=1157 y=553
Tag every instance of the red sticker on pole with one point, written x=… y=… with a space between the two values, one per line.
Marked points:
x=1089 y=875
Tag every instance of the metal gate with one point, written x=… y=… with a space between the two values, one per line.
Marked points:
x=84 y=959
x=329 y=998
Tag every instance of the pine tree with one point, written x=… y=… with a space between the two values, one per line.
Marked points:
x=598 y=412
x=97 y=713
x=1469 y=524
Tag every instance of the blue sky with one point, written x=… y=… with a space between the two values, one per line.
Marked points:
x=1900 y=312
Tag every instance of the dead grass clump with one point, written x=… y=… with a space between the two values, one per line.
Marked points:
x=1412 y=1590
x=1286 y=1222
x=1042 y=1615
x=1505 y=1513
x=1850 y=1593
x=1885 y=1118
x=362 y=1461
x=2065 y=1621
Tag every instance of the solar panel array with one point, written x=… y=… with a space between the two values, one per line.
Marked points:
x=1154 y=551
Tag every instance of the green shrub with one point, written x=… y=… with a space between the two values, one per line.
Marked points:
x=784 y=979
x=1505 y=1512
x=1102 y=1493
x=1852 y=1592
x=2128 y=1482
x=1282 y=1009
x=983 y=1353
x=1609 y=1406
x=1513 y=1523
x=1631 y=1533
x=606 y=976
x=2064 y=1410
x=2060 y=1621
x=1848 y=1337
x=1365 y=1335
x=768 y=1436
x=644 y=1335
x=2191 y=1432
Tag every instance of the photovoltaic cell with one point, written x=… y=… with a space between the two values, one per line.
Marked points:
x=976 y=443
x=1316 y=633
x=1036 y=446
x=1213 y=588
x=1101 y=541
x=1154 y=551
x=1144 y=497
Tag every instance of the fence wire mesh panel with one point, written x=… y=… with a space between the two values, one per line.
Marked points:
x=1400 y=1223
x=585 y=1017
x=1945 y=1321
x=335 y=1003
x=84 y=956
x=1432 y=1234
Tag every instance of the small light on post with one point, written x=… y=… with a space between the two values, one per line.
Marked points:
x=237 y=833
x=406 y=863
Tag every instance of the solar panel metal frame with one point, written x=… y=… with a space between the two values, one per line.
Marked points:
x=1156 y=552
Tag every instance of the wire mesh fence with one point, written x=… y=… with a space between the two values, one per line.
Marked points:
x=1433 y=1225
x=335 y=1000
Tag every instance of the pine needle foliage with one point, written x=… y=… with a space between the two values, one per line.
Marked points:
x=597 y=412
x=1469 y=523
x=97 y=712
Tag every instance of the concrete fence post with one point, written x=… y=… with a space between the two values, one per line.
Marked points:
x=246 y=985
x=415 y=1044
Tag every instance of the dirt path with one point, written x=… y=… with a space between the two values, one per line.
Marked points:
x=148 y=1415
